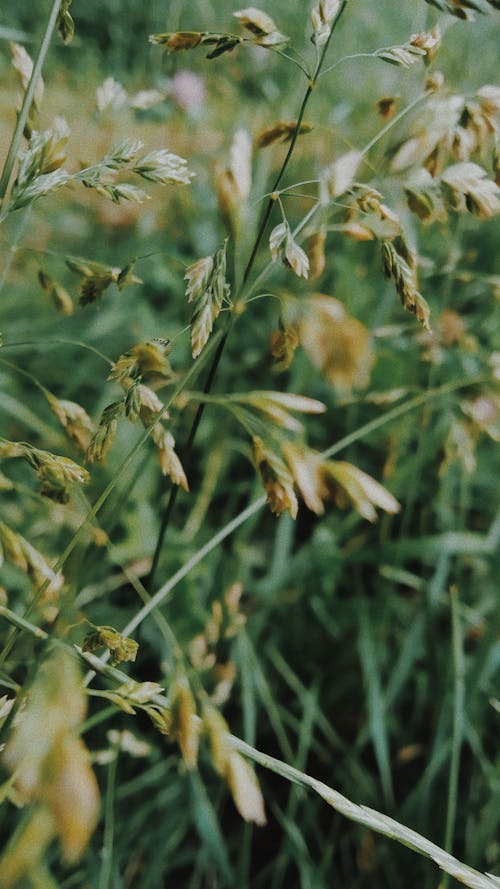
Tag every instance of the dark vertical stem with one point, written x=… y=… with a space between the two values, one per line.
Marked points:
x=185 y=453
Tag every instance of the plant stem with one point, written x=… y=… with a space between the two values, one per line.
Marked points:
x=160 y=596
x=28 y=98
x=167 y=513
x=293 y=140
x=458 y=721
x=368 y=817
x=165 y=520
x=105 y=876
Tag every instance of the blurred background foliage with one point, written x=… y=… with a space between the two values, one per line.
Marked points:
x=344 y=664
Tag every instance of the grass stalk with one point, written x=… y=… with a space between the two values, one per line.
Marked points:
x=458 y=667
x=28 y=99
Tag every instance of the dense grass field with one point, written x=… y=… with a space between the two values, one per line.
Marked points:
x=249 y=426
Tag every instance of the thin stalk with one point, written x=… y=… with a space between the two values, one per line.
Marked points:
x=458 y=723
x=393 y=122
x=293 y=140
x=370 y=818
x=398 y=411
x=105 y=876
x=160 y=596
x=165 y=520
x=28 y=99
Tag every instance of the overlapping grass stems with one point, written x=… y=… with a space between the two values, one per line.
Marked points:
x=55 y=707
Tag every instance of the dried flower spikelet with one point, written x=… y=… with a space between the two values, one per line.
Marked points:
x=489 y=101
x=6 y=705
x=336 y=179
x=170 y=464
x=174 y=41
x=432 y=131
x=121 y=648
x=357 y=231
x=240 y=777
x=148 y=359
x=23 y=66
x=464 y=9
x=215 y=726
x=434 y=81
x=459 y=445
x=19 y=552
x=337 y=344
x=150 y=406
x=316 y=252
x=395 y=265
x=386 y=107
x=261 y=25
x=245 y=790
x=50 y=762
x=55 y=473
x=164 y=167
x=12 y=548
x=277 y=481
x=282 y=131
x=403 y=56
x=424 y=198
x=206 y=289
x=74 y=419
x=139 y=692
x=484 y=411
x=95 y=278
x=65 y=23
x=284 y=343
x=43 y=577
x=276 y=406
x=304 y=464
x=234 y=183
x=322 y=16
x=55 y=141
x=470 y=189
x=185 y=727
x=344 y=480
x=283 y=246
x=60 y=297
x=72 y=796
x=198 y=276
x=111 y=94
x=428 y=41
x=104 y=435
x=38 y=171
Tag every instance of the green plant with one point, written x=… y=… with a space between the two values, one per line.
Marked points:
x=243 y=258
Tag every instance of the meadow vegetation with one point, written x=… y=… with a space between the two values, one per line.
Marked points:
x=249 y=426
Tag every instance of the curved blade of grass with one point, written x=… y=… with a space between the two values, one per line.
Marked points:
x=371 y=819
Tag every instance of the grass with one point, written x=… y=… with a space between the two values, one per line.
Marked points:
x=354 y=664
